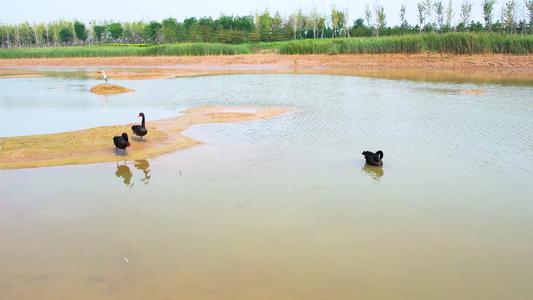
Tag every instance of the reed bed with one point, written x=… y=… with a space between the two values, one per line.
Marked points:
x=453 y=43
x=190 y=49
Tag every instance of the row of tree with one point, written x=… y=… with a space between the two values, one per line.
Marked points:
x=432 y=16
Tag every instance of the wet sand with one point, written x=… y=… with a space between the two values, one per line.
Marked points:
x=95 y=145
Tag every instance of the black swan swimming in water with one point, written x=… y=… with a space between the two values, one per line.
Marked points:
x=121 y=142
x=140 y=130
x=372 y=158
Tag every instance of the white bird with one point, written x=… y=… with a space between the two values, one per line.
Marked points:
x=105 y=77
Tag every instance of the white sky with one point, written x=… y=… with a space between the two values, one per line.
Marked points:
x=38 y=11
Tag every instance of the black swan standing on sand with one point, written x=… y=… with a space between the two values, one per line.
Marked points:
x=372 y=158
x=121 y=142
x=140 y=130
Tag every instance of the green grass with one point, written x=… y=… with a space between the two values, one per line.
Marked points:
x=190 y=49
x=453 y=43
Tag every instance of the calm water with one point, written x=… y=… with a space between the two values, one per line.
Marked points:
x=282 y=208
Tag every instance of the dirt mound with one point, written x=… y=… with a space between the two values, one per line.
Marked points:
x=107 y=88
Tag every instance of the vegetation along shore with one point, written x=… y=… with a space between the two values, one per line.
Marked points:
x=437 y=29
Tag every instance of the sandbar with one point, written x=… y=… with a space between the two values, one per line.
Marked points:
x=95 y=145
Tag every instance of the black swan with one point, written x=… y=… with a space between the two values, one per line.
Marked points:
x=373 y=159
x=140 y=130
x=121 y=142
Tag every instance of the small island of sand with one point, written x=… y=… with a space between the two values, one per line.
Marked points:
x=473 y=92
x=95 y=145
x=107 y=88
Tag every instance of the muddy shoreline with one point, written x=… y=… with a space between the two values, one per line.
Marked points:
x=495 y=68
x=362 y=61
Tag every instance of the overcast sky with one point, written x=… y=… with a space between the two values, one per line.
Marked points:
x=38 y=11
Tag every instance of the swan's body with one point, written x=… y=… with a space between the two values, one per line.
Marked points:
x=121 y=142
x=140 y=130
x=373 y=159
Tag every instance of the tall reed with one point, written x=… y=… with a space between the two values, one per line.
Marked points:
x=454 y=43
x=190 y=49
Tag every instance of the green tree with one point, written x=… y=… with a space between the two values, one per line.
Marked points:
x=66 y=35
x=244 y=23
x=466 y=12
x=359 y=29
x=227 y=22
x=338 y=20
x=116 y=30
x=509 y=16
x=169 y=30
x=439 y=10
x=188 y=22
x=99 y=32
x=264 y=26
x=476 y=27
x=314 y=19
x=133 y=31
x=380 y=18
x=404 y=26
x=488 y=7
x=151 y=31
x=277 y=27
x=79 y=29
x=449 y=15
x=529 y=12
x=207 y=29
x=421 y=16
x=368 y=16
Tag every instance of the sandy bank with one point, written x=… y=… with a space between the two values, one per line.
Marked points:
x=413 y=61
x=96 y=144
x=475 y=68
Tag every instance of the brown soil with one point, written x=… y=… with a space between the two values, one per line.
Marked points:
x=107 y=88
x=96 y=144
x=362 y=61
x=473 y=68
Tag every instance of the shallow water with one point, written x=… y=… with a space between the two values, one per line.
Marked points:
x=277 y=208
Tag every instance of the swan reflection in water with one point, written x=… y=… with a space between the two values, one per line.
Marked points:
x=376 y=172
x=144 y=166
x=124 y=172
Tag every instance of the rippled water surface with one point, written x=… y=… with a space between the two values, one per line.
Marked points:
x=282 y=208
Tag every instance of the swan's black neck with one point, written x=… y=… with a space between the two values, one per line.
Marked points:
x=142 y=123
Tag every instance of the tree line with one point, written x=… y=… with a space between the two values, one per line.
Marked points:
x=432 y=16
